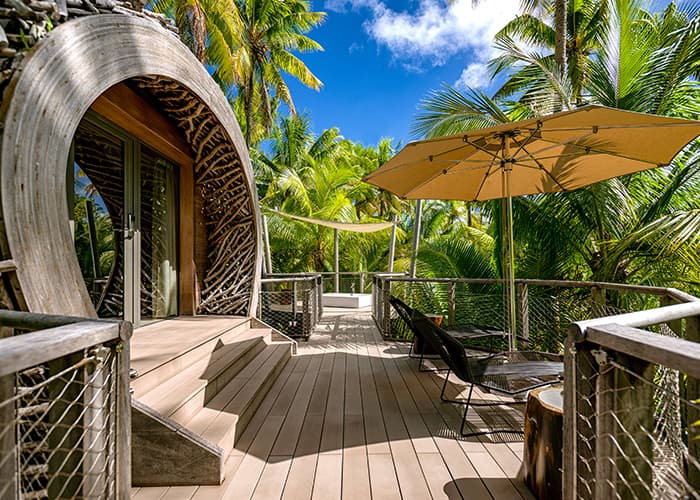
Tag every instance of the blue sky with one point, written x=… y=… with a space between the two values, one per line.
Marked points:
x=382 y=56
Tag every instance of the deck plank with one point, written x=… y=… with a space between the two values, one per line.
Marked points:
x=273 y=478
x=328 y=480
x=385 y=485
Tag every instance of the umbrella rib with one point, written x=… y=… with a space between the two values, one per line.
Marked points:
x=486 y=176
x=541 y=168
x=410 y=164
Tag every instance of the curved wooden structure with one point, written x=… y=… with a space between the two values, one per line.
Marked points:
x=50 y=91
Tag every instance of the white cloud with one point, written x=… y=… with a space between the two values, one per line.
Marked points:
x=435 y=31
x=476 y=76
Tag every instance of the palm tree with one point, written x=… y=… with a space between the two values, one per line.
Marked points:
x=211 y=29
x=271 y=31
x=642 y=228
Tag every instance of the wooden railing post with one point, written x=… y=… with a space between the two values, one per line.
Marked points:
x=9 y=486
x=451 y=303
x=123 y=437
x=524 y=311
x=578 y=461
x=605 y=472
x=306 y=311
x=385 y=309
x=692 y=333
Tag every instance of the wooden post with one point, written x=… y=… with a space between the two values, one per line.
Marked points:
x=294 y=299
x=386 y=316
x=336 y=260
x=306 y=299
x=451 y=301
x=123 y=417
x=9 y=487
x=634 y=409
x=580 y=369
x=692 y=333
x=524 y=311
x=605 y=472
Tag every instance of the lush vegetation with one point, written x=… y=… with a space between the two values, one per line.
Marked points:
x=643 y=228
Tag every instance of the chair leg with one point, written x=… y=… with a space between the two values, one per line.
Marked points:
x=467 y=402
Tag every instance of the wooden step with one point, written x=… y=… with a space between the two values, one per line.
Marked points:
x=190 y=389
x=155 y=364
x=225 y=416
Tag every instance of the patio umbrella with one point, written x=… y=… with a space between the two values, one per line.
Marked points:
x=558 y=152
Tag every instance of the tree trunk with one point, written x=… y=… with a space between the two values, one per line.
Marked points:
x=392 y=245
x=560 y=36
x=248 y=109
x=416 y=237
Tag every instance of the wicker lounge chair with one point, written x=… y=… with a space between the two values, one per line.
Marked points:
x=509 y=373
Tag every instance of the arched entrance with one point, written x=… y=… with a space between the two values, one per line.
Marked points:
x=91 y=63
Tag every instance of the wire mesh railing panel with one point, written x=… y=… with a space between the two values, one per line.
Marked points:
x=637 y=430
x=58 y=428
x=292 y=306
x=543 y=312
x=347 y=283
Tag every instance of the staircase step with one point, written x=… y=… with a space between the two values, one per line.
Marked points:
x=193 y=387
x=225 y=416
x=152 y=374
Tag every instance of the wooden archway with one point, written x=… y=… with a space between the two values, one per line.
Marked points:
x=44 y=103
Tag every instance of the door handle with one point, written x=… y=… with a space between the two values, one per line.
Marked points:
x=129 y=233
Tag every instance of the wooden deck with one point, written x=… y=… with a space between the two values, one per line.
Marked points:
x=352 y=417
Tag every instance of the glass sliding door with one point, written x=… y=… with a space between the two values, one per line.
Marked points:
x=97 y=170
x=158 y=213
x=126 y=223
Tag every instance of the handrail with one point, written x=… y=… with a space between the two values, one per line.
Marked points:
x=637 y=319
x=681 y=354
x=290 y=279
x=38 y=321
x=52 y=343
x=652 y=290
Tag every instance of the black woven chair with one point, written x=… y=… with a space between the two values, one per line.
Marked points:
x=466 y=334
x=509 y=373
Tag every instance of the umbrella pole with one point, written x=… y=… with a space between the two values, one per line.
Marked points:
x=511 y=265
x=507 y=165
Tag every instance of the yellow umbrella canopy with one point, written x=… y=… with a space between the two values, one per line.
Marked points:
x=559 y=152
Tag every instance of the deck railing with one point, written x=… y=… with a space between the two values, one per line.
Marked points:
x=352 y=282
x=631 y=379
x=544 y=308
x=291 y=303
x=64 y=407
x=632 y=407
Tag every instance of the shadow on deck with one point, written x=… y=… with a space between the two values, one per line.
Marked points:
x=351 y=416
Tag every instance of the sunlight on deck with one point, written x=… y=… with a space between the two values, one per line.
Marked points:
x=352 y=417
